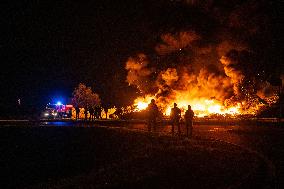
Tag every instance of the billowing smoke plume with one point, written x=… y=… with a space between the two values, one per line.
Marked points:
x=139 y=72
x=234 y=69
x=176 y=42
x=190 y=66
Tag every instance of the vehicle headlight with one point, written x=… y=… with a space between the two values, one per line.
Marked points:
x=46 y=114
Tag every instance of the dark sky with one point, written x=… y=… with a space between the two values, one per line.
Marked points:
x=48 y=47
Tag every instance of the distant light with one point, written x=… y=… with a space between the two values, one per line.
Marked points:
x=58 y=103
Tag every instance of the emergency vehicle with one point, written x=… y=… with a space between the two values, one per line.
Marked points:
x=57 y=111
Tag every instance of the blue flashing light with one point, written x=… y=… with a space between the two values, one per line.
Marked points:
x=58 y=103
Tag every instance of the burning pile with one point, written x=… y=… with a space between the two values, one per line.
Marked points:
x=214 y=78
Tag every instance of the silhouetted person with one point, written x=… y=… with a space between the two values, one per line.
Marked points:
x=106 y=111
x=175 y=118
x=95 y=113
x=98 y=112
x=86 y=113
x=188 y=116
x=91 y=111
x=153 y=112
x=77 y=110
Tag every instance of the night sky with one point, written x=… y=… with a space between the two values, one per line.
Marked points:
x=48 y=47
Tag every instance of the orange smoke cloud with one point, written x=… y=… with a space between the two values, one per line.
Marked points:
x=138 y=71
x=211 y=78
x=175 y=42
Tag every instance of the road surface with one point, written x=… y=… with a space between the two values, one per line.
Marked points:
x=266 y=141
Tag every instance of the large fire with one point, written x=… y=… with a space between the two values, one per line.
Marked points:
x=214 y=78
x=201 y=108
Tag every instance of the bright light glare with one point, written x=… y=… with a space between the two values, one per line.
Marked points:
x=168 y=111
x=142 y=105
x=58 y=103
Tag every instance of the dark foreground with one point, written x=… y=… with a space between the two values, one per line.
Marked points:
x=96 y=157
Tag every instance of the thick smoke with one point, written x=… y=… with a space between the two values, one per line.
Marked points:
x=171 y=43
x=139 y=72
x=192 y=66
x=233 y=68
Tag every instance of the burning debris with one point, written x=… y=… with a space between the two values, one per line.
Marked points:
x=212 y=78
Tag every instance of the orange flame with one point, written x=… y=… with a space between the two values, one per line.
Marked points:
x=141 y=103
x=201 y=107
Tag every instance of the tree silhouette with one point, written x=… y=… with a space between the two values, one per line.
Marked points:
x=84 y=97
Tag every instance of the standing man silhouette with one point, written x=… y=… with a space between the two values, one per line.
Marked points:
x=91 y=111
x=188 y=121
x=86 y=113
x=153 y=112
x=99 y=112
x=77 y=110
x=175 y=118
x=106 y=111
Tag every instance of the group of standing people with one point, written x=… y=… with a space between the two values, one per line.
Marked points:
x=175 y=118
x=153 y=113
x=94 y=113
